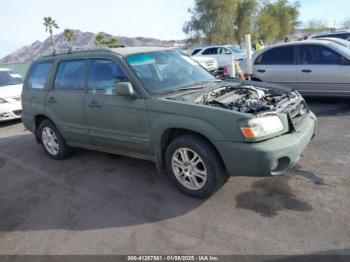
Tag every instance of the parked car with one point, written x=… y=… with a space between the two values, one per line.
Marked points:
x=208 y=63
x=224 y=54
x=159 y=105
x=313 y=67
x=10 y=94
x=339 y=41
x=338 y=34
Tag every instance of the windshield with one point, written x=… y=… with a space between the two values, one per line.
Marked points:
x=10 y=78
x=166 y=71
x=344 y=50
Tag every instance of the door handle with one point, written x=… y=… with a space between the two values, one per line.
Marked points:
x=261 y=70
x=52 y=100
x=94 y=104
x=306 y=71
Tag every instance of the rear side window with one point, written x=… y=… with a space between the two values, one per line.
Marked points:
x=277 y=56
x=211 y=51
x=70 y=75
x=103 y=76
x=39 y=75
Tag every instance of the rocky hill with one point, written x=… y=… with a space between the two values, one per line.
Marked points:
x=33 y=51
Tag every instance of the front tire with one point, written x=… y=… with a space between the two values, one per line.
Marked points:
x=52 y=141
x=194 y=166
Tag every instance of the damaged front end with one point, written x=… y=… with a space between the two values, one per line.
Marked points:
x=271 y=111
x=249 y=99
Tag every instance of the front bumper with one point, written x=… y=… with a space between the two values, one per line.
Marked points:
x=271 y=157
x=10 y=111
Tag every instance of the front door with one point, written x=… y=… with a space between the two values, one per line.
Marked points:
x=116 y=123
x=322 y=70
x=65 y=102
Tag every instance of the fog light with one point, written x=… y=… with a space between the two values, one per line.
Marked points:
x=274 y=165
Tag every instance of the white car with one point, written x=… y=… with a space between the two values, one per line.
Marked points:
x=224 y=54
x=208 y=63
x=10 y=94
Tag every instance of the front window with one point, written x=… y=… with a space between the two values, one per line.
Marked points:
x=318 y=55
x=10 y=78
x=166 y=71
x=103 y=76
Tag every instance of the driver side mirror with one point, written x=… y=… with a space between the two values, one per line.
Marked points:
x=125 y=89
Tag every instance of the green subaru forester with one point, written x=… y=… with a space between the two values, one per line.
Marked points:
x=160 y=105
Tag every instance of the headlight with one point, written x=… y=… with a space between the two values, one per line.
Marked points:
x=2 y=101
x=261 y=126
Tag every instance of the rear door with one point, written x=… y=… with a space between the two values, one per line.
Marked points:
x=116 y=123
x=65 y=101
x=322 y=70
x=35 y=91
x=277 y=65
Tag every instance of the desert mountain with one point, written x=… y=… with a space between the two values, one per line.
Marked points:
x=33 y=51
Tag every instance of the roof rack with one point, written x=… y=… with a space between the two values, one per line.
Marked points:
x=75 y=49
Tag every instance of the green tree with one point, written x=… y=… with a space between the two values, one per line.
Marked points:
x=112 y=42
x=277 y=20
x=316 y=25
x=267 y=27
x=246 y=12
x=69 y=35
x=100 y=38
x=212 y=21
x=49 y=24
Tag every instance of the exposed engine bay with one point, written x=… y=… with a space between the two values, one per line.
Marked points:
x=247 y=99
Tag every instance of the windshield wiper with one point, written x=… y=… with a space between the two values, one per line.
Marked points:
x=182 y=89
x=199 y=85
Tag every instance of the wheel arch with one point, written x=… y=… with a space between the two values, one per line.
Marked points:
x=38 y=119
x=172 y=133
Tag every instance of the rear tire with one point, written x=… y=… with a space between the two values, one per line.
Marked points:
x=194 y=166
x=52 y=141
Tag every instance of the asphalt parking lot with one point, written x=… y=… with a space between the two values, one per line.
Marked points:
x=97 y=203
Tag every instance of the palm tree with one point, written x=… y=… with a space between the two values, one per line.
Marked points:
x=100 y=39
x=69 y=35
x=112 y=42
x=49 y=24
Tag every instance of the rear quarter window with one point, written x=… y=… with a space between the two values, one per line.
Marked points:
x=39 y=74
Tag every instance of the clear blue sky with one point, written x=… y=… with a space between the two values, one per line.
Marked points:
x=21 y=20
